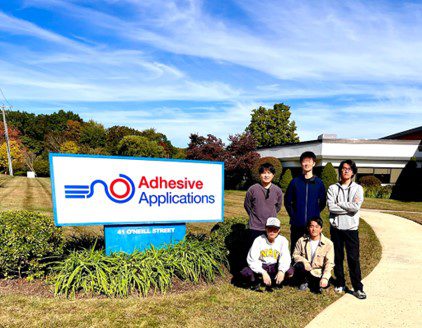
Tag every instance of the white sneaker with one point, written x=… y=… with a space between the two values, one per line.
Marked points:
x=340 y=289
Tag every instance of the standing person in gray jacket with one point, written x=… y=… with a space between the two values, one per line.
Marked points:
x=344 y=200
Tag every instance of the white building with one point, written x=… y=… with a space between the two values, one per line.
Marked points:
x=384 y=158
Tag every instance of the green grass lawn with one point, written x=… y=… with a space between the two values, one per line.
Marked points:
x=392 y=205
x=416 y=217
x=205 y=305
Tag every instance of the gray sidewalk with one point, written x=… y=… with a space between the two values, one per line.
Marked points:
x=394 y=288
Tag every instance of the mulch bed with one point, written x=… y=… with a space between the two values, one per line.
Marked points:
x=40 y=288
x=36 y=287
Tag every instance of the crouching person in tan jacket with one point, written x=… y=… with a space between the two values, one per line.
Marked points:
x=313 y=258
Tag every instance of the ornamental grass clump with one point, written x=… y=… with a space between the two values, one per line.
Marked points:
x=121 y=274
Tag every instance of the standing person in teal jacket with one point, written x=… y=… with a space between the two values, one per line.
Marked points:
x=305 y=198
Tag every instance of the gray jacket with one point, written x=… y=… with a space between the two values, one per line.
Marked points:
x=344 y=204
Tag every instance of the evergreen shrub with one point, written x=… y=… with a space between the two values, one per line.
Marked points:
x=409 y=184
x=28 y=242
x=369 y=181
x=285 y=180
x=329 y=175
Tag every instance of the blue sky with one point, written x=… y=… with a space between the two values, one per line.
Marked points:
x=346 y=67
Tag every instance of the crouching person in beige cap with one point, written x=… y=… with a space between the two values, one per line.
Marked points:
x=268 y=258
x=313 y=258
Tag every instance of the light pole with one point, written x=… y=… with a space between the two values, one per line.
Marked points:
x=6 y=134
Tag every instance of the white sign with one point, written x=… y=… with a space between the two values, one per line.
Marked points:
x=107 y=190
x=30 y=174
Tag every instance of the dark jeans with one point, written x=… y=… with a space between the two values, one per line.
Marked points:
x=295 y=234
x=350 y=240
x=254 y=278
x=302 y=276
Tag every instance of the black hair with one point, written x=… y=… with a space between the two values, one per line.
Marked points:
x=352 y=166
x=308 y=154
x=266 y=166
x=317 y=219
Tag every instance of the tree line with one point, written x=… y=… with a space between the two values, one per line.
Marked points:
x=34 y=136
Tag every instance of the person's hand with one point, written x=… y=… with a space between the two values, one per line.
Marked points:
x=323 y=283
x=279 y=278
x=266 y=277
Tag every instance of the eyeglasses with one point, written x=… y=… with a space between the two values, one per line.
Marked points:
x=346 y=169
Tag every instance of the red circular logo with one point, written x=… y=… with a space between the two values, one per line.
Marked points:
x=125 y=194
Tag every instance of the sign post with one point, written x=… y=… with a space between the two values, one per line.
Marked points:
x=140 y=201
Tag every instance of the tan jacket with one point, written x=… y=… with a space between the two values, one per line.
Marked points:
x=323 y=261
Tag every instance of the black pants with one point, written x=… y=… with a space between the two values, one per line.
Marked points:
x=350 y=239
x=254 y=278
x=295 y=234
x=301 y=276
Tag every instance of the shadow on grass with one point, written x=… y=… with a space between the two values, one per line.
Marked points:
x=236 y=240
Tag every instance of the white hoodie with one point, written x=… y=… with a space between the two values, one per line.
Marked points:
x=264 y=252
x=344 y=203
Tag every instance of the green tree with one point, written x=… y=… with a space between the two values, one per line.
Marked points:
x=93 y=134
x=180 y=153
x=139 y=146
x=41 y=167
x=272 y=127
x=69 y=147
x=329 y=175
x=285 y=180
x=115 y=134
x=162 y=140
x=73 y=131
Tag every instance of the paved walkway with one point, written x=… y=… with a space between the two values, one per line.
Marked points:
x=394 y=288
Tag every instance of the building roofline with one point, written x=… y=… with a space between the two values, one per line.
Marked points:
x=350 y=141
x=403 y=133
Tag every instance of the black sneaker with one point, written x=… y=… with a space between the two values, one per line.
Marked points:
x=269 y=289
x=256 y=288
x=360 y=294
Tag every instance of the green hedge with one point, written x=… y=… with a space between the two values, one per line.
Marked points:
x=28 y=241
x=378 y=191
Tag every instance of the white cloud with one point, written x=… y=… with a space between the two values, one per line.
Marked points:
x=177 y=122
x=94 y=73
x=350 y=61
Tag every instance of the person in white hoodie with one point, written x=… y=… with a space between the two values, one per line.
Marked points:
x=268 y=258
x=344 y=200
